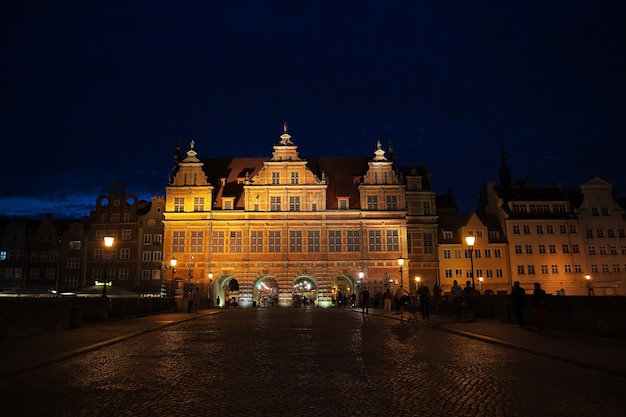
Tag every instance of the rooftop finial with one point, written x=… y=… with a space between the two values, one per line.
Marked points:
x=285 y=138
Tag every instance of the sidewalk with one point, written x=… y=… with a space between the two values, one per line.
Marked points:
x=605 y=355
x=601 y=354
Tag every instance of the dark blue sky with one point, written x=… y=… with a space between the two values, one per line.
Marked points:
x=98 y=91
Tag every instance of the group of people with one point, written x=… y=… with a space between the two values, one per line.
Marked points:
x=538 y=305
x=462 y=300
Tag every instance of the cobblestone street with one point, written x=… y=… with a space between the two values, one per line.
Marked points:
x=309 y=362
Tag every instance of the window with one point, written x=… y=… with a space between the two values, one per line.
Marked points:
x=428 y=243
x=198 y=204
x=592 y=250
x=313 y=240
x=555 y=269
x=458 y=273
x=393 y=241
x=567 y=268
x=605 y=211
x=235 y=244
x=294 y=178
x=602 y=250
x=448 y=273
x=515 y=229
x=447 y=235
x=426 y=206
x=372 y=202
x=343 y=204
x=146 y=256
x=72 y=263
x=294 y=203
x=550 y=229
x=158 y=238
x=256 y=241
x=178 y=241
x=74 y=245
x=572 y=228
x=563 y=229
x=217 y=242
x=526 y=229
x=50 y=273
x=179 y=204
x=575 y=248
x=334 y=240
x=147 y=239
x=610 y=233
x=497 y=253
x=123 y=274
x=600 y=233
x=544 y=269
x=275 y=203
x=375 y=241
x=197 y=241
x=529 y=249
x=457 y=253
x=274 y=241
x=552 y=248
x=487 y=253
x=275 y=178
x=499 y=273
x=542 y=248
x=157 y=256
x=518 y=249
x=124 y=254
x=594 y=211
x=392 y=202
x=531 y=269
x=520 y=269
x=145 y=275
x=115 y=217
x=126 y=234
x=295 y=240
x=354 y=241
x=539 y=229
x=447 y=254
x=494 y=234
x=589 y=233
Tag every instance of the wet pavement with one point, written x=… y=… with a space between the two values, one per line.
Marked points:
x=308 y=361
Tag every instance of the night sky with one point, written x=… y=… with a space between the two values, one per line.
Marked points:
x=99 y=91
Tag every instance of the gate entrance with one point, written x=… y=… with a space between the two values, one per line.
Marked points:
x=304 y=291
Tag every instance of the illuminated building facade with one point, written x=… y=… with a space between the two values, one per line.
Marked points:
x=286 y=228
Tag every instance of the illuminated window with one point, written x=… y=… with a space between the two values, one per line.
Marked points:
x=372 y=202
x=256 y=241
x=179 y=204
x=198 y=204
x=235 y=241
x=275 y=203
x=334 y=240
x=294 y=203
x=178 y=241
x=275 y=178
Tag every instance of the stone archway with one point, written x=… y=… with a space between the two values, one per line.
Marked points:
x=345 y=285
x=265 y=291
x=222 y=289
x=304 y=292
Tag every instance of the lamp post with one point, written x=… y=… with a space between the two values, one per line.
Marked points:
x=210 y=289
x=470 y=242
x=108 y=242
x=589 y=288
x=418 y=279
x=480 y=282
x=173 y=263
x=400 y=263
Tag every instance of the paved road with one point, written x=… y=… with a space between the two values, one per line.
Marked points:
x=309 y=362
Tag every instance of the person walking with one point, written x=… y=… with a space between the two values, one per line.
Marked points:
x=190 y=300
x=456 y=296
x=196 y=300
x=218 y=301
x=387 y=300
x=424 y=294
x=539 y=306
x=437 y=297
x=365 y=301
x=518 y=298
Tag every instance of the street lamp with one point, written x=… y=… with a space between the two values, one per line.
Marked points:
x=400 y=263
x=418 y=279
x=210 y=288
x=470 y=242
x=589 y=288
x=480 y=280
x=108 y=242
x=173 y=263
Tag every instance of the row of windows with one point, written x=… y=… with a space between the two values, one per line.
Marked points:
x=609 y=233
x=460 y=273
x=478 y=253
x=270 y=241
x=148 y=239
x=605 y=268
x=528 y=249
x=547 y=269
x=541 y=229
x=602 y=250
x=540 y=208
x=44 y=256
